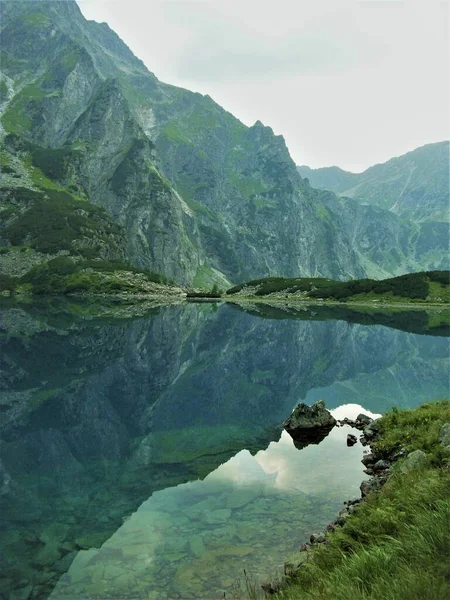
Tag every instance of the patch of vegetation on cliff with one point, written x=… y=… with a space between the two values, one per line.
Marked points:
x=430 y=286
x=53 y=162
x=55 y=221
x=131 y=163
x=20 y=112
x=396 y=543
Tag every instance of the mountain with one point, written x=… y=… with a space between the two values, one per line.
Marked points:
x=101 y=160
x=413 y=186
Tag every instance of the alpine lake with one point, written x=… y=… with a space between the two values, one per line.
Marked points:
x=142 y=454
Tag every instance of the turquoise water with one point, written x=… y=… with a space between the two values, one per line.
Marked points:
x=143 y=457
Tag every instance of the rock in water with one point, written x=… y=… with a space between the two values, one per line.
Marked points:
x=351 y=439
x=309 y=424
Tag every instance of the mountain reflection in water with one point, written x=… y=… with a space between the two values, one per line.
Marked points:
x=100 y=416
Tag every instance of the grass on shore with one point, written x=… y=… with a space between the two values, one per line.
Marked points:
x=397 y=544
x=426 y=286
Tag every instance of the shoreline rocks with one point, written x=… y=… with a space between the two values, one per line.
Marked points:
x=377 y=466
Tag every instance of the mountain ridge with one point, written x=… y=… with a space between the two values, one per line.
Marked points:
x=199 y=196
x=399 y=184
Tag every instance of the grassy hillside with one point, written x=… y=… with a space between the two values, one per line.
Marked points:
x=427 y=286
x=395 y=545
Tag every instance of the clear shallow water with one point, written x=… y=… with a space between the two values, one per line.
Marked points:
x=194 y=540
x=141 y=458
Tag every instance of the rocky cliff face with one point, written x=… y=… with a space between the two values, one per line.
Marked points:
x=198 y=196
x=396 y=213
x=387 y=244
x=413 y=186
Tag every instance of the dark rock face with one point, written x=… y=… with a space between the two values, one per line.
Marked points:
x=309 y=424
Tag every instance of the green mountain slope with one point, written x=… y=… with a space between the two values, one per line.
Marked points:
x=414 y=186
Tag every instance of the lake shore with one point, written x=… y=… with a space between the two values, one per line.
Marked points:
x=389 y=542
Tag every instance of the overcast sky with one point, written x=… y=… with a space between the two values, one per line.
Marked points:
x=346 y=83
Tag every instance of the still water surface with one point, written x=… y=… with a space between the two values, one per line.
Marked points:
x=143 y=457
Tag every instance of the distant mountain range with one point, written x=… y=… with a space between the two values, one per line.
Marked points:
x=413 y=186
x=102 y=161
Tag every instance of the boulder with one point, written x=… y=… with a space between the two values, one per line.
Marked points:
x=414 y=460
x=317 y=538
x=368 y=433
x=363 y=419
x=309 y=424
x=381 y=465
x=368 y=459
x=373 y=426
x=444 y=435
x=368 y=486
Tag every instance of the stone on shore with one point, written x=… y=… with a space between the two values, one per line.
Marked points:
x=363 y=419
x=368 y=486
x=414 y=460
x=444 y=435
x=381 y=465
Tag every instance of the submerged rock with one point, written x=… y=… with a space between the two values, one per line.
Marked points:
x=309 y=424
